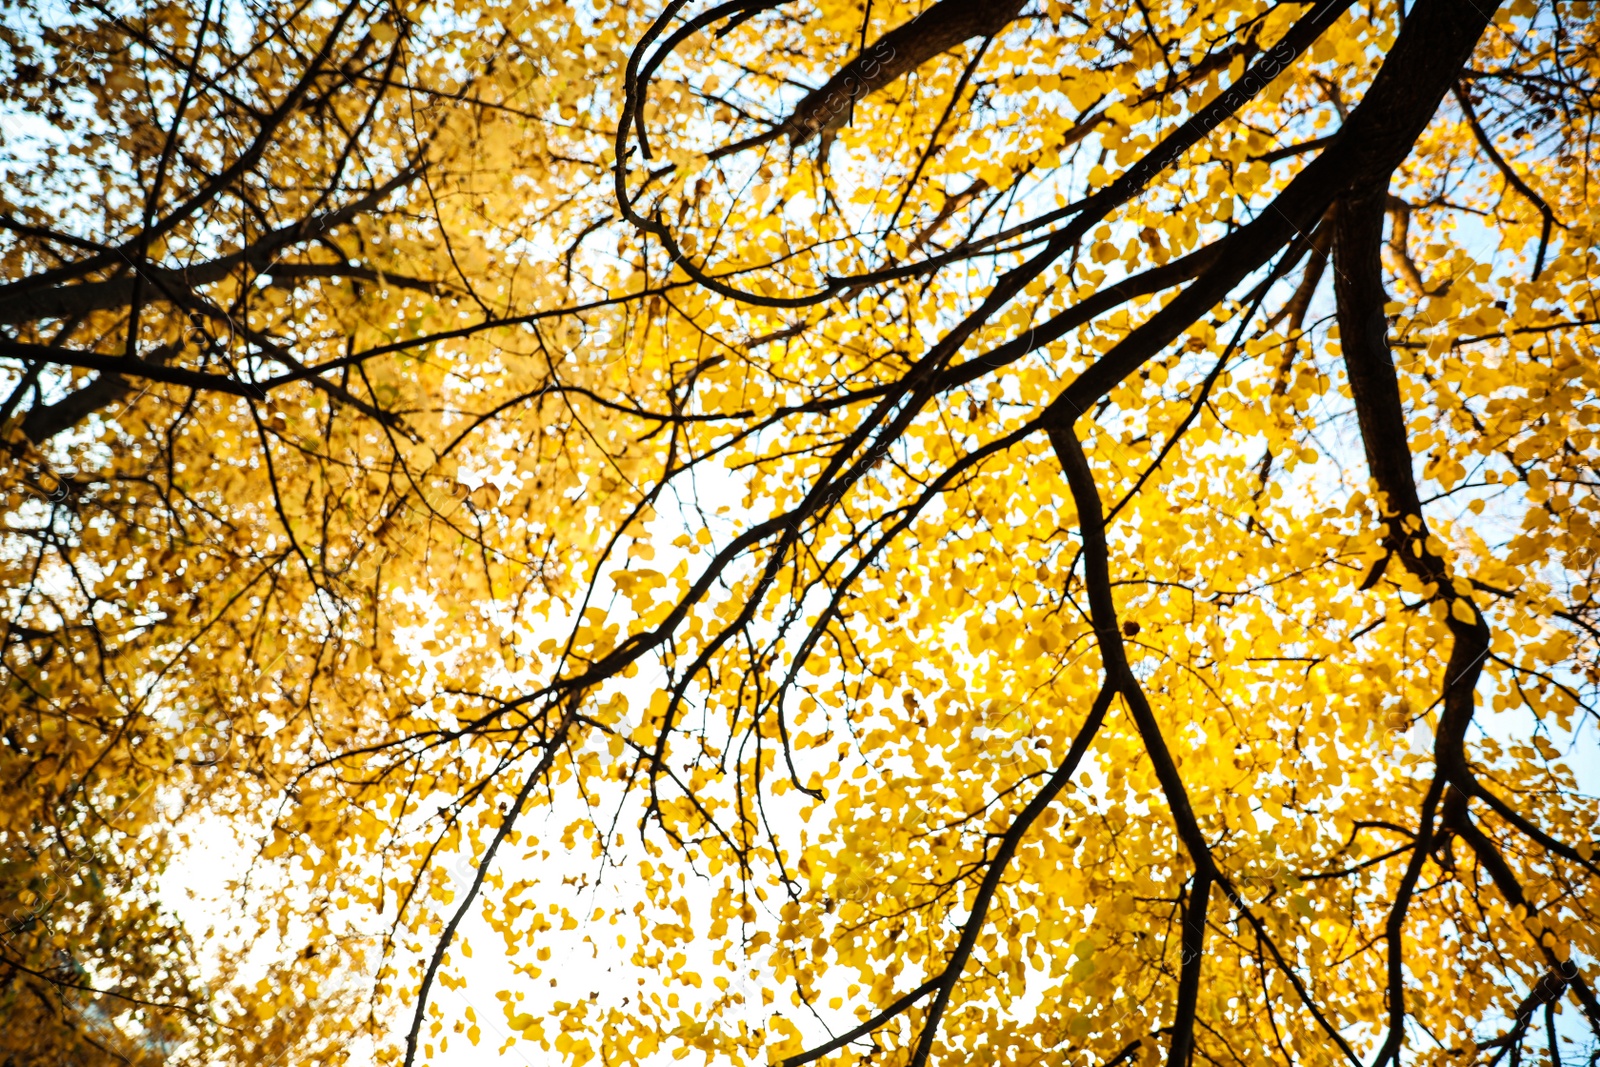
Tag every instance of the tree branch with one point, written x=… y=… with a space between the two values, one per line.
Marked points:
x=1512 y=178
x=897 y=53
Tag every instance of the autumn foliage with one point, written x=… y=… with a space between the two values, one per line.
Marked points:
x=899 y=533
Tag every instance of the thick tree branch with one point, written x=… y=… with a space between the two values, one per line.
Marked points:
x=1108 y=637
x=1419 y=70
x=26 y=301
x=139 y=368
x=1083 y=215
x=44 y=422
x=1435 y=43
x=897 y=53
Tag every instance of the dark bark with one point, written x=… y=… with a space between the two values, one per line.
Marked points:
x=26 y=300
x=44 y=422
x=894 y=55
x=1429 y=53
x=1375 y=389
x=1108 y=638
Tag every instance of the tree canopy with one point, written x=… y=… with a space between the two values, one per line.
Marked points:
x=903 y=532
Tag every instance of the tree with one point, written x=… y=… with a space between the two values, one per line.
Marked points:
x=226 y=227
x=1073 y=526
